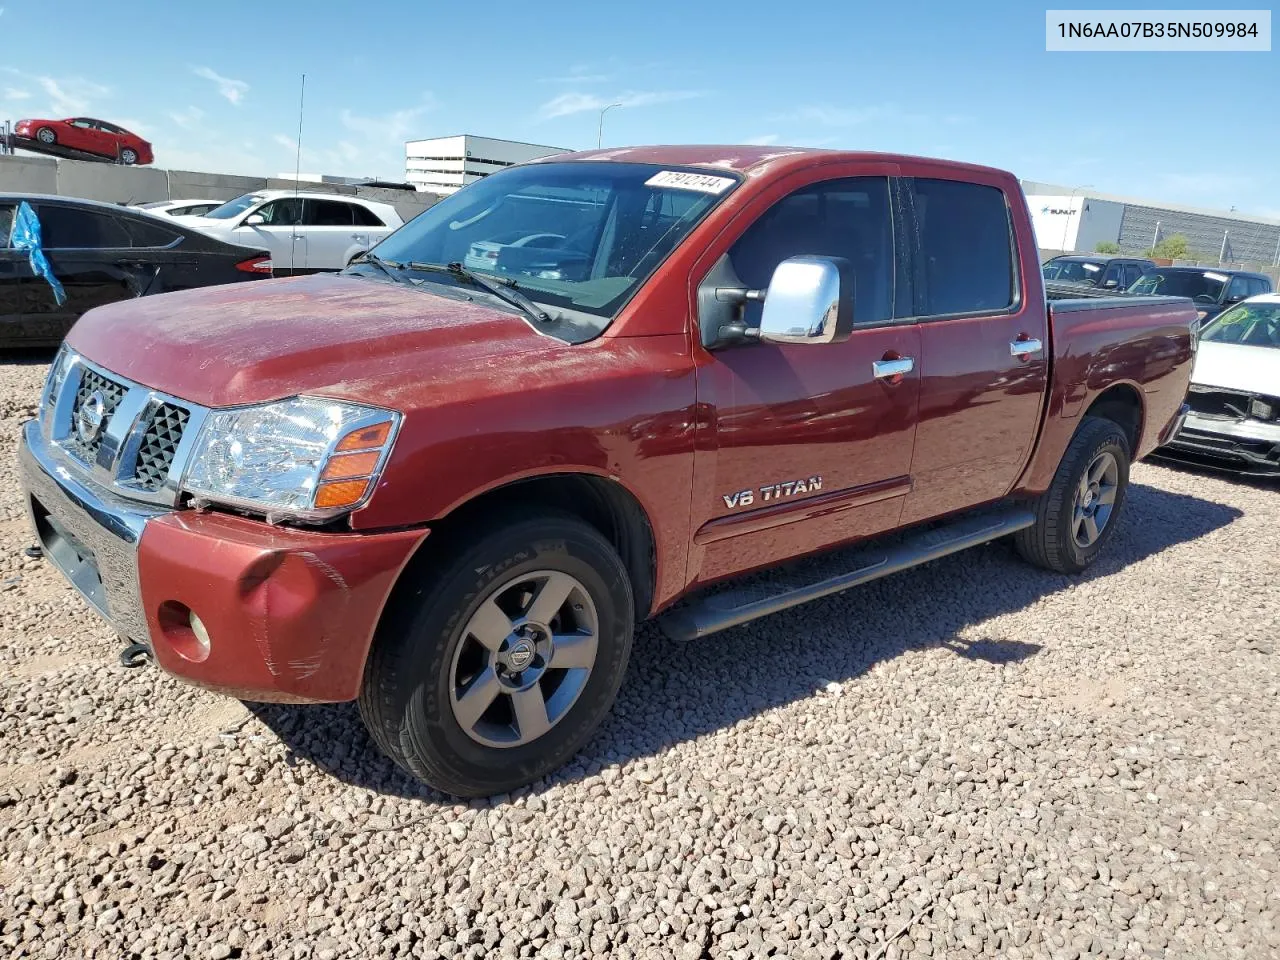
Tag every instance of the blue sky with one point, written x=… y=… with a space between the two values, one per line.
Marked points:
x=215 y=86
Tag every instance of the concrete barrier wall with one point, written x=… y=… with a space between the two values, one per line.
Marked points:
x=112 y=183
x=28 y=174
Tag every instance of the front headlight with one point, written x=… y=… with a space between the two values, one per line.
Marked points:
x=305 y=458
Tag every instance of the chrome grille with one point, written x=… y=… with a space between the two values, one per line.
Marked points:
x=113 y=392
x=159 y=444
x=141 y=448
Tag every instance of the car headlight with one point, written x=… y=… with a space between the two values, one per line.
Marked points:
x=304 y=458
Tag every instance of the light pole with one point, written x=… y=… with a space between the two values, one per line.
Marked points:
x=1067 y=223
x=600 y=128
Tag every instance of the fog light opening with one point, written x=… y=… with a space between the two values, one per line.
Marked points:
x=184 y=631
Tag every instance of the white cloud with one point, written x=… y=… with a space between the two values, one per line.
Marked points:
x=570 y=103
x=233 y=90
x=71 y=95
x=762 y=141
x=13 y=93
x=396 y=126
x=188 y=119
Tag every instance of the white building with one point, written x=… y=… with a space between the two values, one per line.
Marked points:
x=446 y=164
x=1079 y=219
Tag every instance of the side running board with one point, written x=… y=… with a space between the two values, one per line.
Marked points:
x=722 y=608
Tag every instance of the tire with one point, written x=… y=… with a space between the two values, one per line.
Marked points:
x=1062 y=539
x=46 y=136
x=426 y=656
x=128 y=156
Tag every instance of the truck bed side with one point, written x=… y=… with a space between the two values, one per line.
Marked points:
x=1130 y=350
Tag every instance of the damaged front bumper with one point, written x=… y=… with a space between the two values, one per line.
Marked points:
x=1241 y=446
x=257 y=611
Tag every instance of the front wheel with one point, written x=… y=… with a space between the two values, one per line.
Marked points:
x=46 y=136
x=1078 y=513
x=500 y=662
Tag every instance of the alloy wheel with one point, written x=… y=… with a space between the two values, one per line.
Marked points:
x=1095 y=499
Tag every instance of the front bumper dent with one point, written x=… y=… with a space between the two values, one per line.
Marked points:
x=289 y=614
x=1243 y=446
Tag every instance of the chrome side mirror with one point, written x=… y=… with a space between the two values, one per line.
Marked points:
x=254 y=220
x=809 y=300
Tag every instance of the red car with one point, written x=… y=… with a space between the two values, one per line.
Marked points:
x=88 y=136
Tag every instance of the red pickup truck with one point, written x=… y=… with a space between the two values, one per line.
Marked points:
x=584 y=392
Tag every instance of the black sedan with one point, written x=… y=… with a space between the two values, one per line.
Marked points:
x=101 y=253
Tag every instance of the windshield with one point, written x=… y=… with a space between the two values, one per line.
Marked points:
x=233 y=208
x=1205 y=286
x=581 y=237
x=1249 y=324
x=1074 y=271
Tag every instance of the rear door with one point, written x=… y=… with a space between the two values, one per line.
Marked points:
x=331 y=231
x=983 y=346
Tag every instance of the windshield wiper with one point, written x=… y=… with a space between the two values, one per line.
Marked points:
x=389 y=267
x=502 y=289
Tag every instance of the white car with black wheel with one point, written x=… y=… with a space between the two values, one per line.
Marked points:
x=1234 y=423
x=304 y=232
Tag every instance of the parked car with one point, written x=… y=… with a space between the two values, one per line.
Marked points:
x=1212 y=288
x=452 y=493
x=180 y=208
x=1234 y=422
x=87 y=135
x=305 y=232
x=1096 y=270
x=102 y=253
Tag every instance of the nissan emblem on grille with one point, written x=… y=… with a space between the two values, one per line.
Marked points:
x=92 y=416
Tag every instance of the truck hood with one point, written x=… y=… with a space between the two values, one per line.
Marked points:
x=337 y=336
x=1238 y=367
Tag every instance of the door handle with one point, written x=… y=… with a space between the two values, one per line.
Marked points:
x=1024 y=348
x=358 y=236
x=887 y=369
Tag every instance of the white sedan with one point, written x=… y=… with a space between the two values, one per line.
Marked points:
x=180 y=208
x=1234 y=396
x=304 y=232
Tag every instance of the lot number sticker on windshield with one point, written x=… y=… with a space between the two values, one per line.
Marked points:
x=680 y=180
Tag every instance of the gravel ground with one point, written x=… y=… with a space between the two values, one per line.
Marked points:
x=970 y=759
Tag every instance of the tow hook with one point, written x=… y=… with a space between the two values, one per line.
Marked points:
x=135 y=655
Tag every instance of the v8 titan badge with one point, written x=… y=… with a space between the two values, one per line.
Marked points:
x=773 y=491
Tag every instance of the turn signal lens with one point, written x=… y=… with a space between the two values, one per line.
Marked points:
x=340 y=493
x=348 y=465
x=366 y=437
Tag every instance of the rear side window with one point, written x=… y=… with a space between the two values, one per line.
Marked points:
x=145 y=234
x=965 y=261
x=328 y=213
x=70 y=229
x=6 y=223
x=848 y=218
x=366 y=217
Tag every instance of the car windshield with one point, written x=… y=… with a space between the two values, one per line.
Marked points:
x=233 y=208
x=1203 y=285
x=1074 y=271
x=577 y=238
x=1248 y=324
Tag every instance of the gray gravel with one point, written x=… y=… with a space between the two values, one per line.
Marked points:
x=971 y=759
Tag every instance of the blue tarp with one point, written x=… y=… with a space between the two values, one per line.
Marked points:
x=25 y=235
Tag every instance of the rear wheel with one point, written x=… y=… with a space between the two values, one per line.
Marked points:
x=128 y=156
x=499 y=664
x=46 y=136
x=1078 y=513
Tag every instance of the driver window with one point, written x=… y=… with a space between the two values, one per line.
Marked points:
x=839 y=218
x=1238 y=289
x=281 y=213
x=1112 y=276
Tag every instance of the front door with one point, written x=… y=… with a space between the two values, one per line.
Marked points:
x=811 y=443
x=277 y=228
x=984 y=347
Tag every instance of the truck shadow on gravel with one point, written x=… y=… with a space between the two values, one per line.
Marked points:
x=680 y=691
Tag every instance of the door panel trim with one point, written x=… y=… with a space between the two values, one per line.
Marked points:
x=809 y=508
